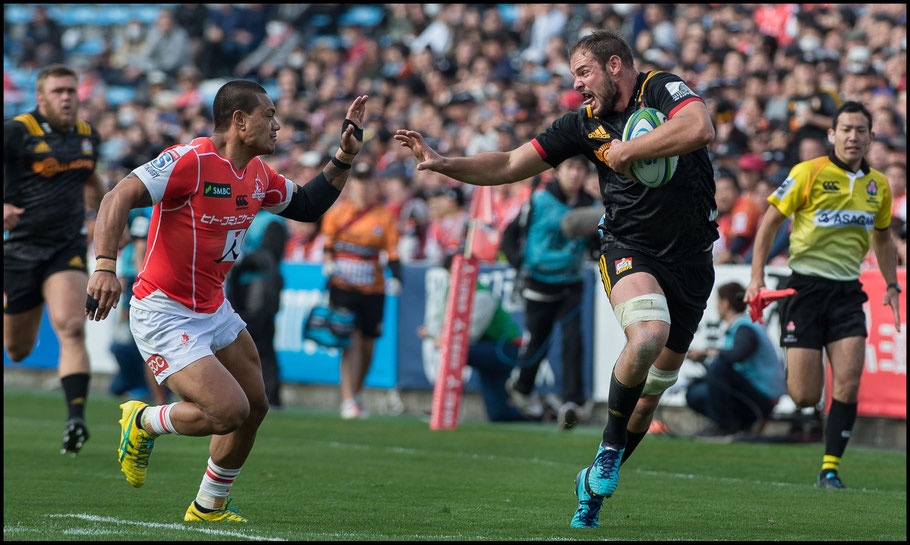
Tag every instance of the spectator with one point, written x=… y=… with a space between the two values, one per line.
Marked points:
x=43 y=39
x=495 y=341
x=744 y=379
x=811 y=107
x=551 y=273
x=166 y=46
x=448 y=223
x=265 y=61
x=726 y=193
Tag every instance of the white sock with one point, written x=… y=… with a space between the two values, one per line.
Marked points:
x=216 y=484
x=157 y=420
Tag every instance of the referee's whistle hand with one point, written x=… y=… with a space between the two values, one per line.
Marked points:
x=103 y=294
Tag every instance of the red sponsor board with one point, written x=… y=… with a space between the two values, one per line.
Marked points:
x=456 y=327
x=883 y=386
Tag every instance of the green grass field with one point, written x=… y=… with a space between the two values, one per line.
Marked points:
x=312 y=476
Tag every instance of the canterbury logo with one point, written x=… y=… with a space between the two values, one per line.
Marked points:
x=830 y=186
x=599 y=133
x=42 y=147
x=76 y=262
x=616 y=413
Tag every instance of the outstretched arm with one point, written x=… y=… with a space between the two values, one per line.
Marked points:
x=489 y=168
x=309 y=202
x=766 y=231
x=887 y=263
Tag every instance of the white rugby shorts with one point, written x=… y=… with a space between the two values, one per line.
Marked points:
x=169 y=342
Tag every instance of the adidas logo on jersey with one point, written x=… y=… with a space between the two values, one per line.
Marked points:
x=599 y=133
x=42 y=147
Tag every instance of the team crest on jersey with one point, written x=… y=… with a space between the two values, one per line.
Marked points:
x=184 y=339
x=211 y=189
x=872 y=188
x=86 y=146
x=42 y=147
x=623 y=264
x=601 y=153
x=260 y=190
x=156 y=363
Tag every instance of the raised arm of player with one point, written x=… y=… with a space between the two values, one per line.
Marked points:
x=763 y=239
x=489 y=168
x=310 y=201
x=115 y=207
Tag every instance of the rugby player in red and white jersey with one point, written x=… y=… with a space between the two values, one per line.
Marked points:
x=205 y=195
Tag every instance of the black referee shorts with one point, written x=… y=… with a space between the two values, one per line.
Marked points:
x=822 y=311
x=686 y=284
x=23 y=279
x=367 y=308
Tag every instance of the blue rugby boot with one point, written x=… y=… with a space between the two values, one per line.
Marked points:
x=588 y=506
x=604 y=472
x=829 y=479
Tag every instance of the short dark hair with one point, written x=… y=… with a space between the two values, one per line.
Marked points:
x=603 y=44
x=851 y=106
x=235 y=95
x=733 y=293
x=54 y=70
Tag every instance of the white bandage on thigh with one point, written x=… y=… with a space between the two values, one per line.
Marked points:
x=643 y=308
x=658 y=381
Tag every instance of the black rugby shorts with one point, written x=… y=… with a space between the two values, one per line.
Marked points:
x=822 y=311
x=23 y=279
x=686 y=284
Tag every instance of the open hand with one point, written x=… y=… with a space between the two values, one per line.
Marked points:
x=350 y=143
x=426 y=156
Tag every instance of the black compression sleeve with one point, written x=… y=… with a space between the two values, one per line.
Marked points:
x=311 y=201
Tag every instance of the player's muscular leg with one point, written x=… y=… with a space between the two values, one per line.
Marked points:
x=847 y=357
x=213 y=401
x=645 y=339
x=242 y=360
x=647 y=404
x=805 y=376
x=64 y=292
x=20 y=331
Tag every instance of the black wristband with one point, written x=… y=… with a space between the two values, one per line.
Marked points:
x=340 y=164
x=358 y=132
x=97 y=257
x=894 y=285
x=107 y=271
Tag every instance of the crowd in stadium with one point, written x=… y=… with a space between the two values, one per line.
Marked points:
x=472 y=78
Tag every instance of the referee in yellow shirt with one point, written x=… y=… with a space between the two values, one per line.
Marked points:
x=836 y=202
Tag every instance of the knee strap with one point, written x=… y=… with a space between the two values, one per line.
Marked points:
x=658 y=381
x=643 y=308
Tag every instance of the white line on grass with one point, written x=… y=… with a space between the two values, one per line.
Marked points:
x=185 y=528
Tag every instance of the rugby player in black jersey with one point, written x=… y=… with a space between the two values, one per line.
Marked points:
x=49 y=158
x=656 y=243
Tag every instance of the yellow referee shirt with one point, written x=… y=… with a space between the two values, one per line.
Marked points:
x=833 y=212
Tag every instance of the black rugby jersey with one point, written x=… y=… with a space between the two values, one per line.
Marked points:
x=669 y=222
x=44 y=172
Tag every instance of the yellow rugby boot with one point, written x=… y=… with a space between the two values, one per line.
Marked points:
x=135 y=445
x=225 y=514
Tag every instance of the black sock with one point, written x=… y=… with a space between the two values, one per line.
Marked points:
x=838 y=428
x=139 y=418
x=620 y=406
x=75 y=389
x=632 y=440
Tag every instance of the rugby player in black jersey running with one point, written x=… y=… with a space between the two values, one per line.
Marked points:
x=655 y=242
x=49 y=158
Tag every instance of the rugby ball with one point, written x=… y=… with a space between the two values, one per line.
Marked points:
x=650 y=172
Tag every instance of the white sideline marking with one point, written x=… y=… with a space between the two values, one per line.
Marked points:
x=171 y=526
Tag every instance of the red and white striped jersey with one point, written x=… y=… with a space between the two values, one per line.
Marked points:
x=203 y=208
